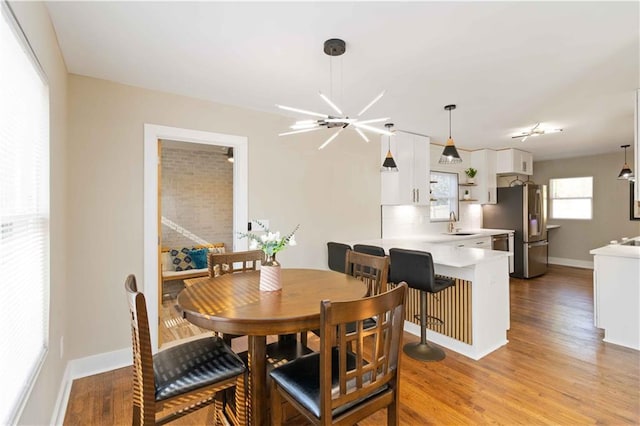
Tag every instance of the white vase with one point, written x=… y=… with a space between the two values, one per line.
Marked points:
x=270 y=275
x=471 y=180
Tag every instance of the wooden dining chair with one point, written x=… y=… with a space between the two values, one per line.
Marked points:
x=372 y=270
x=182 y=378
x=239 y=261
x=340 y=387
x=231 y=263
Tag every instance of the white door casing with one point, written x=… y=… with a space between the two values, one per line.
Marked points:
x=153 y=133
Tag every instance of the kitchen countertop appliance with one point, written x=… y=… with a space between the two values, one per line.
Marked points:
x=524 y=209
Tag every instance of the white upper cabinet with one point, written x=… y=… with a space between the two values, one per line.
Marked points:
x=484 y=160
x=514 y=161
x=410 y=184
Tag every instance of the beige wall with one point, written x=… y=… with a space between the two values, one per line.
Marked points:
x=333 y=193
x=197 y=196
x=575 y=238
x=34 y=19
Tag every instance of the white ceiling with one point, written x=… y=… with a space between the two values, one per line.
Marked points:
x=506 y=65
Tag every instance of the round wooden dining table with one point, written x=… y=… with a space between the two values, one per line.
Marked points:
x=234 y=304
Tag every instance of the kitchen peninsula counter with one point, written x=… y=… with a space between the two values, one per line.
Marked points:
x=616 y=292
x=475 y=310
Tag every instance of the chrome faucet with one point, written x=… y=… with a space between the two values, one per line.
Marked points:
x=452 y=220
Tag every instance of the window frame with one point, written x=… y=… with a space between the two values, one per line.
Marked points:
x=452 y=197
x=552 y=198
x=41 y=212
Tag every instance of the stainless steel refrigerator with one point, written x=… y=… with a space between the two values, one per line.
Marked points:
x=523 y=209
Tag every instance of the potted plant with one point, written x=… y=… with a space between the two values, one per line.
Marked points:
x=466 y=195
x=471 y=174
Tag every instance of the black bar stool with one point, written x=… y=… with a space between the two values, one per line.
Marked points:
x=372 y=250
x=337 y=256
x=416 y=269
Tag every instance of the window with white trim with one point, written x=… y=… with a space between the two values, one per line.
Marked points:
x=571 y=198
x=444 y=195
x=24 y=217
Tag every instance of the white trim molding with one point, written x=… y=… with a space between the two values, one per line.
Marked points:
x=576 y=263
x=153 y=133
x=83 y=367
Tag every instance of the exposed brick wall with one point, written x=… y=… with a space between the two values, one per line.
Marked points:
x=197 y=194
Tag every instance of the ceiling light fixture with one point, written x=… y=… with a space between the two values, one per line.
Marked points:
x=230 y=154
x=450 y=153
x=389 y=164
x=334 y=47
x=626 y=172
x=535 y=131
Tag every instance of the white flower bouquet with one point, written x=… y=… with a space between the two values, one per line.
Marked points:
x=269 y=242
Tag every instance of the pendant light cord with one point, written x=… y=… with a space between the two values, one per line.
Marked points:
x=449 y=124
x=331 y=73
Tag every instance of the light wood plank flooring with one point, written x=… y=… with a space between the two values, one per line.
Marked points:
x=555 y=370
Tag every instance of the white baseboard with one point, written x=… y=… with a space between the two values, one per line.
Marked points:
x=585 y=264
x=83 y=367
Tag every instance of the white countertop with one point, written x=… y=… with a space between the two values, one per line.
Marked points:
x=475 y=233
x=442 y=254
x=618 y=250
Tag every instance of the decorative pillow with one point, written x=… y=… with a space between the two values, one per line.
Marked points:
x=181 y=259
x=199 y=257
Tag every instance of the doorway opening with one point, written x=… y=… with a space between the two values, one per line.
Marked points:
x=153 y=134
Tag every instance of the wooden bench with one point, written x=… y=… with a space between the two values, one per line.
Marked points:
x=168 y=274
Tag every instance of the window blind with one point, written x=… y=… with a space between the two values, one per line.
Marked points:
x=24 y=217
x=571 y=198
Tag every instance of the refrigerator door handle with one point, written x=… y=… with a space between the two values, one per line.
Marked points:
x=537 y=244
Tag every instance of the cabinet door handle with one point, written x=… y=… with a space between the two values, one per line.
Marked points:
x=417 y=195
x=488 y=195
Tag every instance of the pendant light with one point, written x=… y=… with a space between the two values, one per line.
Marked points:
x=450 y=153
x=337 y=120
x=626 y=172
x=230 y=154
x=389 y=164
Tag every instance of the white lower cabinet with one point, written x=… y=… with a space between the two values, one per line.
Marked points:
x=483 y=243
x=616 y=299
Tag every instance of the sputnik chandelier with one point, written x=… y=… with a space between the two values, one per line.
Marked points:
x=335 y=47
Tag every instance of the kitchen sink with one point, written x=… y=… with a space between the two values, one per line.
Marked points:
x=459 y=233
x=631 y=243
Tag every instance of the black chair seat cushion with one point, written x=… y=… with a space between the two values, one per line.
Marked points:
x=192 y=365
x=301 y=379
x=440 y=283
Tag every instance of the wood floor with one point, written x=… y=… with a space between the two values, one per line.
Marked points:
x=555 y=370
